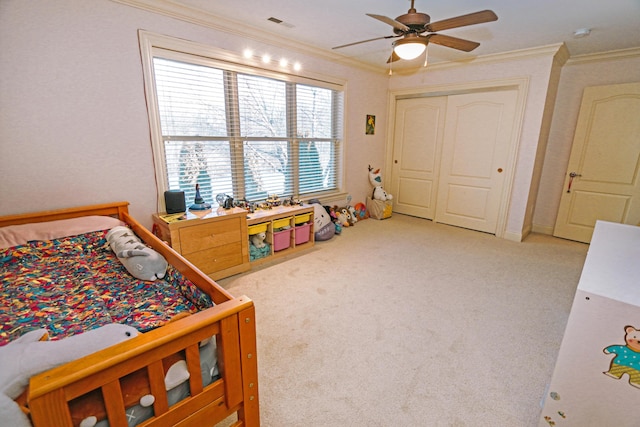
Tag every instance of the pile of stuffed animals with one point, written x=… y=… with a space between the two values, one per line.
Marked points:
x=330 y=220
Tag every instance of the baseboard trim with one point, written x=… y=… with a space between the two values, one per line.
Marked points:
x=542 y=229
x=514 y=237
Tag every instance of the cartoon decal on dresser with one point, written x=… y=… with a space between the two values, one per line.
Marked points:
x=627 y=357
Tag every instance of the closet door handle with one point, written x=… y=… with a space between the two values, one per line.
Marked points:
x=571 y=176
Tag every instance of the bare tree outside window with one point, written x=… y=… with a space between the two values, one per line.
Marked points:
x=245 y=135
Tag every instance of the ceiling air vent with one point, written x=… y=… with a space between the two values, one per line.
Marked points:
x=280 y=22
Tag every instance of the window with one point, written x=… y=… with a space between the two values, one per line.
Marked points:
x=243 y=131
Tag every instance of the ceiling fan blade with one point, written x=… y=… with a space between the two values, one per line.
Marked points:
x=395 y=24
x=463 y=20
x=363 y=41
x=393 y=58
x=453 y=42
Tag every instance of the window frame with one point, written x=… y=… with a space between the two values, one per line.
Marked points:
x=156 y=45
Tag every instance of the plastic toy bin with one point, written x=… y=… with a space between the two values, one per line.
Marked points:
x=280 y=223
x=302 y=233
x=301 y=219
x=281 y=239
x=258 y=228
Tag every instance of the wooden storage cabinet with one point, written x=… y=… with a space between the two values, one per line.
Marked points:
x=216 y=243
x=297 y=237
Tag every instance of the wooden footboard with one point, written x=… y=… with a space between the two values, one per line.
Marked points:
x=232 y=321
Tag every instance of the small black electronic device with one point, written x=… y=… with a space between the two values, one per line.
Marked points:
x=174 y=201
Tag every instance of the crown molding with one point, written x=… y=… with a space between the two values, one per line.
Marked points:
x=605 y=56
x=208 y=20
x=557 y=51
x=202 y=18
x=546 y=51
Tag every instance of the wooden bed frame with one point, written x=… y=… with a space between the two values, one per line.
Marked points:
x=232 y=320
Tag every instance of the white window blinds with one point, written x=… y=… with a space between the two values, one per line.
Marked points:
x=244 y=134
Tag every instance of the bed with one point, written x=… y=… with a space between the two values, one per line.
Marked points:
x=119 y=375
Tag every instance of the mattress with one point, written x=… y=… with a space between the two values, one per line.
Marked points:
x=76 y=283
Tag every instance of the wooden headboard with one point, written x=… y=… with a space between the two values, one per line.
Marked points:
x=115 y=209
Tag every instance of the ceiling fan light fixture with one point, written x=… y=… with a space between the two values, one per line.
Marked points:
x=409 y=48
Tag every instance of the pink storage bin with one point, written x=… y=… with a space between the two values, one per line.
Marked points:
x=302 y=233
x=281 y=240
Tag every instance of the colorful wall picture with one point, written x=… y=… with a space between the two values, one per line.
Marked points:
x=371 y=125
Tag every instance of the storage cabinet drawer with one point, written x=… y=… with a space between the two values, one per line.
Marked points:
x=218 y=258
x=216 y=242
x=211 y=235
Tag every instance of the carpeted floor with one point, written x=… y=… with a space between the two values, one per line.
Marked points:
x=407 y=322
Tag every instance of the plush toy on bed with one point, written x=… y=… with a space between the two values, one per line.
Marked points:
x=140 y=260
x=375 y=178
x=30 y=355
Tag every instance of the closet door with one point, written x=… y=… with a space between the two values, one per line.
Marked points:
x=604 y=162
x=475 y=156
x=419 y=126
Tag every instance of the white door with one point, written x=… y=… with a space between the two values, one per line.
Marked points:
x=417 y=142
x=602 y=181
x=478 y=136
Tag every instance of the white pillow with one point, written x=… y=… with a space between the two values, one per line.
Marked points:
x=14 y=235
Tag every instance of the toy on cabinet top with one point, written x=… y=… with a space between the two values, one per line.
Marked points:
x=224 y=201
x=198 y=202
x=375 y=178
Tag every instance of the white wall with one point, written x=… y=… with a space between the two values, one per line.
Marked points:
x=73 y=124
x=74 y=127
x=577 y=74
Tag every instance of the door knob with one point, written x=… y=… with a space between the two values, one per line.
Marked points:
x=499 y=170
x=571 y=176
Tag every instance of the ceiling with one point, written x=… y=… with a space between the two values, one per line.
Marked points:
x=323 y=24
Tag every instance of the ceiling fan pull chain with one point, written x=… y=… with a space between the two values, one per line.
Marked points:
x=426 y=56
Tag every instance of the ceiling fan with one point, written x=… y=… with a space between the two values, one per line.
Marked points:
x=412 y=26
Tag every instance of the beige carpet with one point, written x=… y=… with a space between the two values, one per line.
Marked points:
x=407 y=322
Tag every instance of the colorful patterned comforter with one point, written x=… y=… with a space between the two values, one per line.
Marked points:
x=76 y=283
